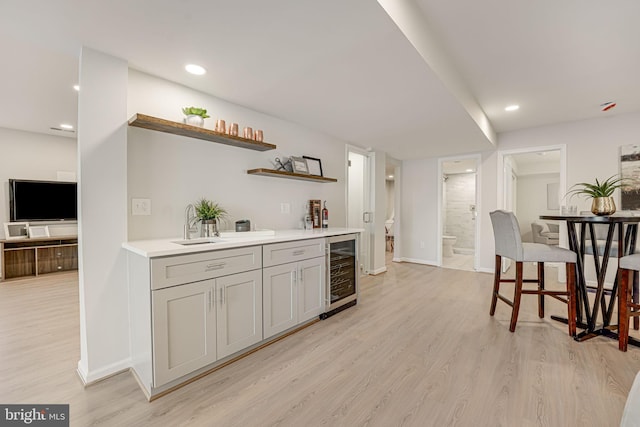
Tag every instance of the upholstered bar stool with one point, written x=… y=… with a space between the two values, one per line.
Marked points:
x=509 y=244
x=626 y=306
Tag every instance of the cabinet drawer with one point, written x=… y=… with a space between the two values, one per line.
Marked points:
x=281 y=253
x=175 y=270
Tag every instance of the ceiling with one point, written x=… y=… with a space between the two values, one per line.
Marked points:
x=346 y=69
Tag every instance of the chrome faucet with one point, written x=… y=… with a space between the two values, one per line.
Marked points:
x=190 y=220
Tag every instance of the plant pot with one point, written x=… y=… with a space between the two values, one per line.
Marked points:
x=603 y=206
x=194 y=120
x=209 y=228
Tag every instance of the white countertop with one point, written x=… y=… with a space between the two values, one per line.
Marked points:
x=166 y=247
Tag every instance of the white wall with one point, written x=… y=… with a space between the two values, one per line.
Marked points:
x=102 y=220
x=28 y=155
x=532 y=200
x=419 y=216
x=592 y=151
x=174 y=171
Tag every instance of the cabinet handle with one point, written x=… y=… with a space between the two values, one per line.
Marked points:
x=209 y=298
x=210 y=267
x=300 y=275
x=294 y=275
x=299 y=252
x=222 y=296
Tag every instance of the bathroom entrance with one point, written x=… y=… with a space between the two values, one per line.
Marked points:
x=458 y=212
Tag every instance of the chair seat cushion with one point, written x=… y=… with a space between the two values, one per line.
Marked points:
x=630 y=262
x=538 y=252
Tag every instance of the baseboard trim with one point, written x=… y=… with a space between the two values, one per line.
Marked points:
x=420 y=261
x=90 y=378
x=378 y=271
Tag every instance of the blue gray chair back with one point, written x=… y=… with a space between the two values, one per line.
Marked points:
x=506 y=232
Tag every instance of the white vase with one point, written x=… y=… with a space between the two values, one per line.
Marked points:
x=194 y=120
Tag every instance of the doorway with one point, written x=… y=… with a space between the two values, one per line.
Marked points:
x=392 y=217
x=458 y=228
x=531 y=182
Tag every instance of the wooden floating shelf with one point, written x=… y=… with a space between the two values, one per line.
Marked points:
x=290 y=175
x=175 y=128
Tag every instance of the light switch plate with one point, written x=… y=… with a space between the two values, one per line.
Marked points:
x=140 y=206
x=285 y=208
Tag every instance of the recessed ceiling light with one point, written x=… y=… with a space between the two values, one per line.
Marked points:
x=77 y=87
x=390 y=177
x=195 y=69
x=469 y=170
x=66 y=126
x=512 y=108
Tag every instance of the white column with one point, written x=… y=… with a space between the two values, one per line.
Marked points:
x=102 y=220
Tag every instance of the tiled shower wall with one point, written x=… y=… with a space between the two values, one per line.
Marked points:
x=459 y=219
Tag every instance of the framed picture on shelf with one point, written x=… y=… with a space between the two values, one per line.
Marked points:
x=38 y=231
x=299 y=165
x=314 y=165
x=16 y=230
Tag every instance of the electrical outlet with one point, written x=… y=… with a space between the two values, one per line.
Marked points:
x=140 y=206
x=421 y=245
x=285 y=208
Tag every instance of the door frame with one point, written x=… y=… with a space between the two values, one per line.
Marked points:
x=368 y=234
x=478 y=196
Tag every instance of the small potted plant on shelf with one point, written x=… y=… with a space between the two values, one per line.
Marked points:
x=209 y=213
x=195 y=116
x=601 y=192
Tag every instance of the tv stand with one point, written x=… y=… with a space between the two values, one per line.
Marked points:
x=33 y=257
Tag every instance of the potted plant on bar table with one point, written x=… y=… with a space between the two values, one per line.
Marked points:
x=601 y=192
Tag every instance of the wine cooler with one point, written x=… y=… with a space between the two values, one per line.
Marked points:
x=342 y=274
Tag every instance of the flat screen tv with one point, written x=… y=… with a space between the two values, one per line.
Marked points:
x=42 y=200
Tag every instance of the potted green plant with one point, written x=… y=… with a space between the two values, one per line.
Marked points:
x=601 y=193
x=195 y=116
x=209 y=213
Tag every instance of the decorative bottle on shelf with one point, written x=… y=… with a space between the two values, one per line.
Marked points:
x=325 y=216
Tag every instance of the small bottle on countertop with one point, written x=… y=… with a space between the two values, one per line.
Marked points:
x=325 y=216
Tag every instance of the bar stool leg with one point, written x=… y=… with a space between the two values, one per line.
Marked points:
x=541 y=289
x=634 y=295
x=517 y=293
x=572 y=298
x=623 y=309
x=496 y=284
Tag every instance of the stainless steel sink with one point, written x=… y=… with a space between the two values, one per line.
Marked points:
x=200 y=241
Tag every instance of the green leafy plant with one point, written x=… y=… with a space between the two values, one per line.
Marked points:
x=194 y=111
x=208 y=210
x=599 y=189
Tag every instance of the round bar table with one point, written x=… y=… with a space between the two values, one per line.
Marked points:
x=588 y=313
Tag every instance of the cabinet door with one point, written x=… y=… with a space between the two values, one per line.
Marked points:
x=239 y=311
x=311 y=288
x=184 y=330
x=280 y=298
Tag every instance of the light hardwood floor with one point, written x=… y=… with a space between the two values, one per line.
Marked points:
x=419 y=349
